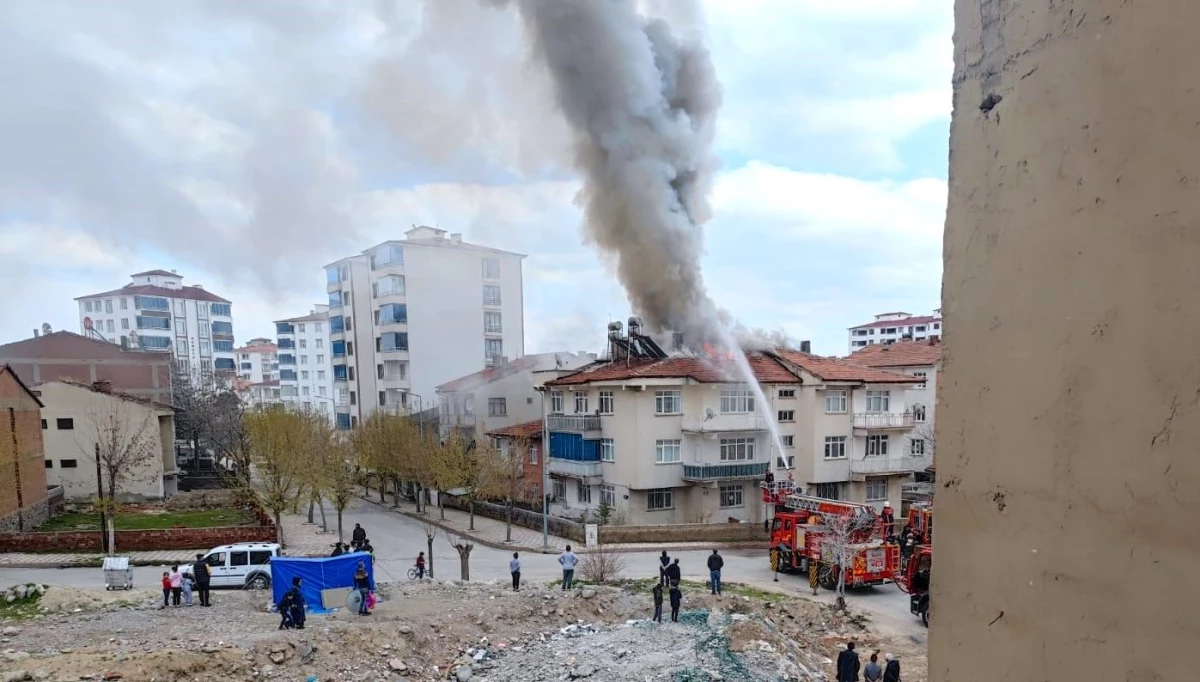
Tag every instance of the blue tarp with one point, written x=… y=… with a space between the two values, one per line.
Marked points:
x=316 y=574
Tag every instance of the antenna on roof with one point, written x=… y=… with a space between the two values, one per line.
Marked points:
x=45 y=328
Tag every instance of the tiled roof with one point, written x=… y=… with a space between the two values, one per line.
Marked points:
x=10 y=370
x=901 y=354
x=531 y=429
x=311 y=317
x=837 y=369
x=191 y=293
x=923 y=319
x=160 y=273
x=69 y=345
x=94 y=388
x=274 y=383
x=264 y=348
x=488 y=375
x=767 y=370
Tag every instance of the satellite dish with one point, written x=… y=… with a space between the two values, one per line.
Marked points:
x=45 y=328
x=708 y=413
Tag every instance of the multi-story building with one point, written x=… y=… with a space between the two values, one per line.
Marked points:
x=406 y=316
x=156 y=312
x=893 y=327
x=257 y=361
x=261 y=393
x=306 y=361
x=502 y=396
x=23 y=491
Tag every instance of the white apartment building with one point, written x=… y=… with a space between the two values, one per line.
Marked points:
x=261 y=393
x=503 y=396
x=407 y=316
x=306 y=361
x=155 y=311
x=893 y=327
x=921 y=360
x=257 y=361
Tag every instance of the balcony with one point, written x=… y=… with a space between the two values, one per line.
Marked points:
x=880 y=466
x=286 y=344
x=720 y=423
x=459 y=420
x=733 y=471
x=882 y=421
x=573 y=423
x=587 y=471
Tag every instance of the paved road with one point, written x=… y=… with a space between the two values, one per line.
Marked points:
x=397 y=539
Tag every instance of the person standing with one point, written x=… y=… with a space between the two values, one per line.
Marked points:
x=715 y=564
x=892 y=672
x=166 y=588
x=203 y=575
x=664 y=561
x=847 y=664
x=568 y=559
x=873 y=672
x=658 y=601
x=421 y=565
x=358 y=537
x=362 y=583
x=188 y=584
x=176 y=586
x=888 y=519
x=674 y=573
x=676 y=601
x=514 y=567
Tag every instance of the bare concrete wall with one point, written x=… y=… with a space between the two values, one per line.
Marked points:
x=1068 y=537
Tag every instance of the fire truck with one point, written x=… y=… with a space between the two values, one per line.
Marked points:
x=918 y=560
x=802 y=539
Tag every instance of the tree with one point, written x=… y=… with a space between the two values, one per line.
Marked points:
x=338 y=474
x=465 y=469
x=226 y=434
x=431 y=532
x=925 y=431
x=277 y=444
x=509 y=478
x=602 y=565
x=125 y=446
x=463 y=547
x=843 y=533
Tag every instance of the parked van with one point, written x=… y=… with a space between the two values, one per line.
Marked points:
x=244 y=564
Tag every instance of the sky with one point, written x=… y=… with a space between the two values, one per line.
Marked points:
x=247 y=144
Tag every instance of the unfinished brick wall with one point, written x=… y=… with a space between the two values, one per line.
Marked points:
x=135 y=540
x=22 y=462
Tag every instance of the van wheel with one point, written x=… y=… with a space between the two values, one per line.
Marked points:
x=258 y=582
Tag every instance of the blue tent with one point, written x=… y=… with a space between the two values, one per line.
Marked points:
x=316 y=574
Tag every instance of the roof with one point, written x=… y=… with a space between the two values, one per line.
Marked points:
x=921 y=319
x=837 y=369
x=262 y=348
x=531 y=429
x=488 y=375
x=160 y=273
x=191 y=293
x=94 y=388
x=266 y=384
x=311 y=317
x=767 y=370
x=5 y=369
x=901 y=354
x=69 y=345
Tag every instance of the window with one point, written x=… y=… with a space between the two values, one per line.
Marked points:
x=491 y=323
x=317 y=328
x=737 y=401
x=608 y=450
x=87 y=305
x=606 y=402
x=392 y=313
x=835 y=401
x=392 y=254
x=350 y=373
x=668 y=402
x=829 y=491
x=108 y=324
x=304 y=359
x=321 y=389
x=878 y=401
x=533 y=453
x=181 y=346
x=732 y=496
x=583 y=492
x=49 y=464
x=922 y=377
x=64 y=424
x=154 y=342
x=108 y=305
x=497 y=407
x=608 y=496
x=304 y=375
x=224 y=364
x=667 y=451
x=876 y=489
x=787 y=441
x=223 y=346
x=835 y=447
x=337 y=324
x=67 y=464
x=285 y=358
x=304 y=390
x=44 y=425
x=124 y=322
x=204 y=347
x=222 y=328
x=659 y=499
x=491 y=268
x=206 y=367
x=353 y=398
x=383 y=397
x=581 y=402
x=877 y=446
x=239 y=558
x=556 y=402
x=491 y=294
x=493 y=347
x=391 y=285
x=350 y=348
x=221 y=309
x=145 y=322
x=787 y=415
x=737 y=449
x=917 y=446
x=558 y=488
x=149 y=303
x=124 y=304
x=393 y=341
x=785 y=461
x=918 y=413
x=787 y=393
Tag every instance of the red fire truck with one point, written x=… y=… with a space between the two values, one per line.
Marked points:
x=803 y=539
x=918 y=560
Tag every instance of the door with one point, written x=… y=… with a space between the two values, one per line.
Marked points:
x=239 y=567
x=218 y=567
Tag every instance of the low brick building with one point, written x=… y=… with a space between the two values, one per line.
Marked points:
x=527 y=437
x=23 y=493
x=64 y=355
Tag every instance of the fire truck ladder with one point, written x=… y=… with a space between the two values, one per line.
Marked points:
x=823 y=506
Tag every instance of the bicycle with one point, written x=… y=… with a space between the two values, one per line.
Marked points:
x=414 y=573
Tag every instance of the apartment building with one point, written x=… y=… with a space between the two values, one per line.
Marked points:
x=23 y=489
x=156 y=312
x=893 y=327
x=409 y=315
x=503 y=396
x=257 y=361
x=920 y=360
x=306 y=361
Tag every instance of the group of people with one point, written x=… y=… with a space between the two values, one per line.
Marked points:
x=178 y=586
x=293 y=607
x=358 y=543
x=848 y=667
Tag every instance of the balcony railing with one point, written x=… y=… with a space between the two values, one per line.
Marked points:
x=882 y=465
x=883 y=420
x=725 y=472
x=577 y=423
x=463 y=420
x=574 y=468
x=724 y=422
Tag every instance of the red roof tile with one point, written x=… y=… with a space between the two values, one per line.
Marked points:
x=488 y=375
x=901 y=354
x=264 y=348
x=531 y=429
x=923 y=319
x=837 y=369
x=192 y=293
x=767 y=370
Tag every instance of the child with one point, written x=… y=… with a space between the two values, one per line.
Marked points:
x=676 y=601
x=420 y=565
x=658 y=599
x=188 y=583
x=166 y=587
x=176 y=579
x=291 y=608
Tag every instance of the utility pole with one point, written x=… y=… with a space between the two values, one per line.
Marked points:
x=100 y=506
x=545 y=474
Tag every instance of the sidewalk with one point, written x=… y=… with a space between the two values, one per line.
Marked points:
x=94 y=559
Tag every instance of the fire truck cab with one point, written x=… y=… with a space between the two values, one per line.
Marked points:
x=915 y=580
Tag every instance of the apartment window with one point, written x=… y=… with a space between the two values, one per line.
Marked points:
x=220 y=309
x=787 y=393
x=304 y=343
x=383 y=397
x=124 y=322
x=204 y=347
x=124 y=304
x=154 y=342
x=110 y=326
x=556 y=402
x=606 y=402
x=181 y=346
x=304 y=390
x=67 y=464
x=300 y=328
x=223 y=346
x=829 y=491
x=785 y=461
x=668 y=402
x=378 y=371
x=659 y=499
x=320 y=359
x=391 y=285
x=321 y=389
x=835 y=401
x=320 y=343
x=394 y=341
x=87 y=305
x=304 y=359
x=732 y=496
x=317 y=328
x=877 y=446
x=860 y=332
x=350 y=373
x=737 y=449
x=49 y=464
x=304 y=375
x=559 y=488
x=917 y=446
x=533 y=453
x=581 y=402
x=391 y=254
x=497 y=407
x=108 y=305
x=491 y=268
x=493 y=348
x=392 y=313
x=835 y=447
x=145 y=322
x=608 y=496
x=349 y=325
x=608 y=450
x=491 y=294
x=918 y=413
x=222 y=328
x=353 y=398
x=737 y=401
x=787 y=415
x=583 y=492
x=350 y=348
x=788 y=441
x=147 y=303
x=353 y=421
x=203 y=329
x=921 y=376
x=878 y=401
x=44 y=427
x=877 y=489
x=491 y=323
x=64 y=424
x=667 y=451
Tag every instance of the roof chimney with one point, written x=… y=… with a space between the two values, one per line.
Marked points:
x=806 y=346
x=102 y=386
x=197 y=286
x=456 y=237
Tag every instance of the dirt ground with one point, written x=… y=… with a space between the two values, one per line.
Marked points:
x=434 y=630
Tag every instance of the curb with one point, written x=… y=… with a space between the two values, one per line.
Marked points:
x=88 y=562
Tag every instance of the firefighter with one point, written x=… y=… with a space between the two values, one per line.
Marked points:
x=888 y=518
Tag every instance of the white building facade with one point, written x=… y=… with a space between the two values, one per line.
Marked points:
x=893 y=327
x=921 y=360
x=257 y=361
x=156 y=312
x=306 y=361
x=408 y=315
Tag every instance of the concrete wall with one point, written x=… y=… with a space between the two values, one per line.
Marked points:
x=1068 y=526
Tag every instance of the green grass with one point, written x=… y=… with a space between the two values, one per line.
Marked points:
x=151 y=520
x=730 y=589
x=21 y=609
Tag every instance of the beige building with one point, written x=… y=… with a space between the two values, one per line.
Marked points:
x=78 y=420
x=922 y=361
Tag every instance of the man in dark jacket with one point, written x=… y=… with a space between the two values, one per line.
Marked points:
x=359 y=536
x=664 y=562
x=291 y=608
x=715 y=564
x=200 y=572
x=658 y=600
x=847 y=664
x=674 y=573
x=676 y=601
x=892 y=672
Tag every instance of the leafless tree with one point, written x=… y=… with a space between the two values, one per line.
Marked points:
x=125 y=447
x=843 y=535
x=463 y=546
x=926 y=432
x=431 y=532
x=602 y=565
x=509 y=477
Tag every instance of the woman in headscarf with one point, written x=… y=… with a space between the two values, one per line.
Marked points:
x=362 y=583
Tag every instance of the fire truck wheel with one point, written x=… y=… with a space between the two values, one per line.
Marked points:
x=925 y=613
x=827 y=577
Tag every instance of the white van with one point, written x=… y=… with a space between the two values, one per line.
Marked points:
x=245 y=564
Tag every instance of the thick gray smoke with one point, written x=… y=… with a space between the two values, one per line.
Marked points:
x=641 y=103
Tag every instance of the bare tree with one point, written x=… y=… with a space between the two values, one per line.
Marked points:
x=277 y=442
x=602 y=565
x=337 y=466
x=467 y=468
x=508 y=477
x=463 y=546
x=431 y=532
x=125 y=447
x=844 y=534
x=925 y=431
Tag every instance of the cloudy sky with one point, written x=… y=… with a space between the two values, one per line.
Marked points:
x=245 y=143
